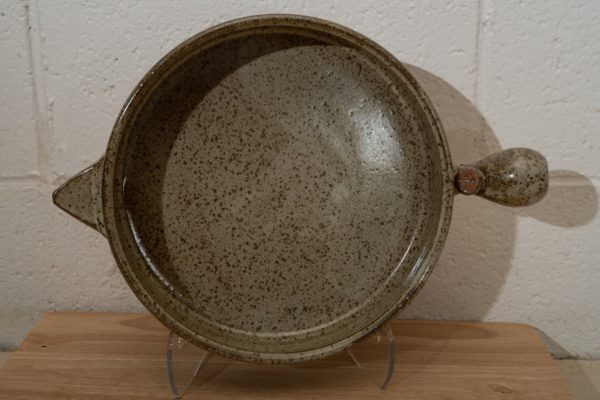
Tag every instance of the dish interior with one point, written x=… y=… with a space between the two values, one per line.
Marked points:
x=281 y=187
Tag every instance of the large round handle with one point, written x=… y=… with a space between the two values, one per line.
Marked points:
x=514 y=177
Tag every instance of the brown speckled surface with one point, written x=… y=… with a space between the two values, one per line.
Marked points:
x=80 y=196
x=514 y=177
x=275 y=188
x=307 y=186
x=271 y=204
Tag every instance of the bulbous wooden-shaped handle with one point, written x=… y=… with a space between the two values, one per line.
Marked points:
x=513 y=177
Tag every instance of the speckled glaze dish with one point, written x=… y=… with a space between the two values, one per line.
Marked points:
x=277 y=187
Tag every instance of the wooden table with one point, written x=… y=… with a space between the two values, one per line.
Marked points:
x=122 y=356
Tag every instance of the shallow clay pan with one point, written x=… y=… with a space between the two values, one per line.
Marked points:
x=277 y=187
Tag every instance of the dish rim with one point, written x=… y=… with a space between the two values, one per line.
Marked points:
x=112 y=170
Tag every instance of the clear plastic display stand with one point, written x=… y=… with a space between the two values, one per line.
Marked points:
x=374 y=356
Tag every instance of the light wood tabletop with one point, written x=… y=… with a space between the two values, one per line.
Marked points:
x=122 y=356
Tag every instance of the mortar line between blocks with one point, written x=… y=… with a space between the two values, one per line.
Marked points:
x=22 y=179
x=40 y=99
x=477 y=55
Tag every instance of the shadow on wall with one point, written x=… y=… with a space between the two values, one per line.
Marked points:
x=479 y=250
x=571 y=201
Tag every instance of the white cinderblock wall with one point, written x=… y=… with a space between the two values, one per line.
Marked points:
x=503 y=73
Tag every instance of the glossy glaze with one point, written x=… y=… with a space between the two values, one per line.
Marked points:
x=272 y=207
x=274 y=189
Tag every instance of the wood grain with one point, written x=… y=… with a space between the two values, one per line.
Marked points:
x=122 y=356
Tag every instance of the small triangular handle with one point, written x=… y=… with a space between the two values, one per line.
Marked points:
x=81 y=196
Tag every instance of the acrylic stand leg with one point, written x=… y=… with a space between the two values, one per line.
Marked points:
x=185 y=361
x=379 y=369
